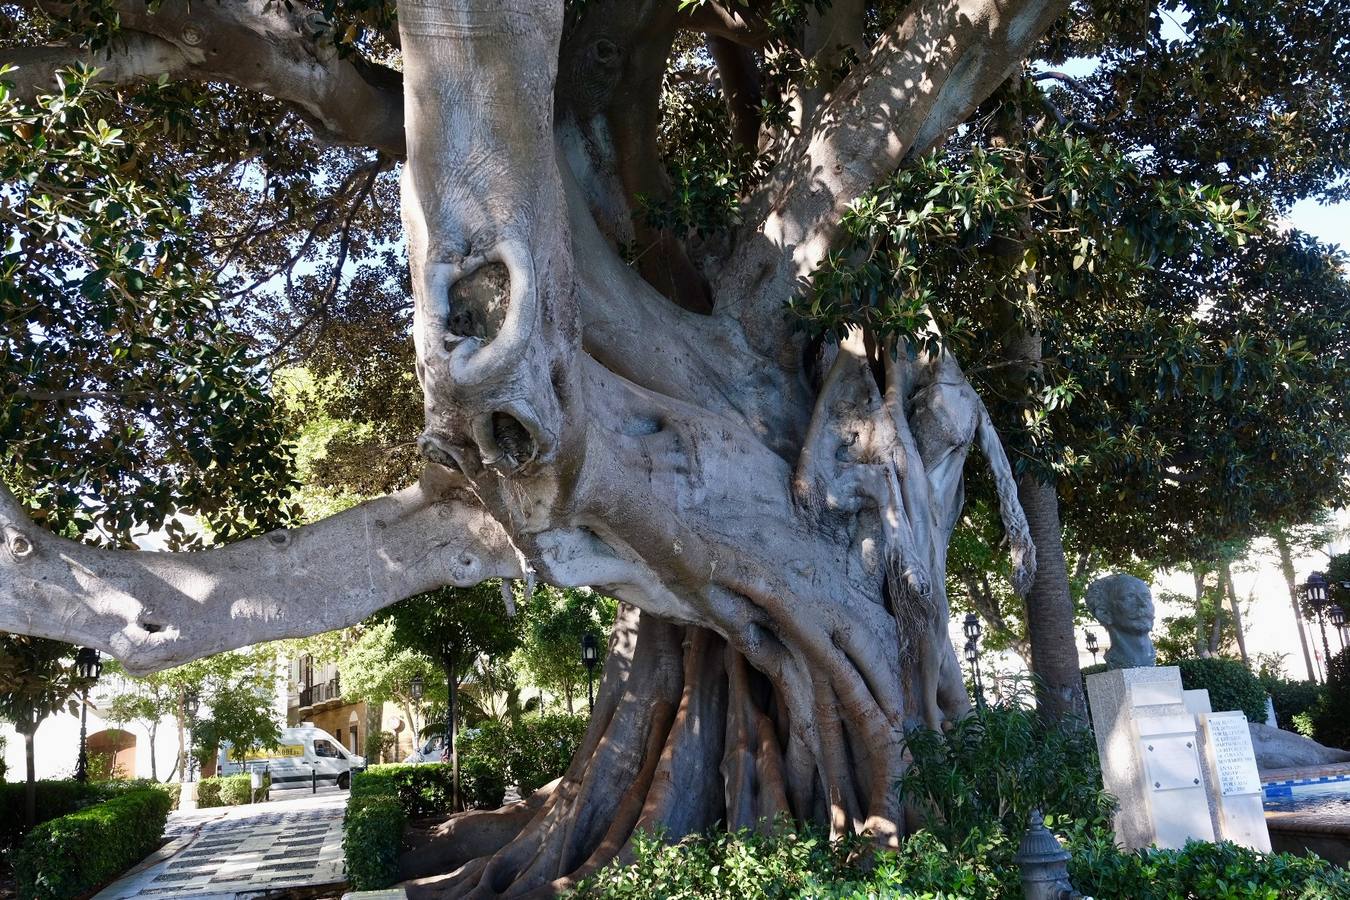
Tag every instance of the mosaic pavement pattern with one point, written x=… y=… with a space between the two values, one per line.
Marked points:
x=249 y=851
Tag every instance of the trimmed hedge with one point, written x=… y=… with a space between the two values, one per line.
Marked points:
x=1292 y=698
x=230 y=790
x=1231 y=685
x=1331 y=717
x=73 y=854
x=372 y=837
x=422 y=789
x=54 y=798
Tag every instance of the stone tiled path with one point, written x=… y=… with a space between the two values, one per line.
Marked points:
x=243 y=852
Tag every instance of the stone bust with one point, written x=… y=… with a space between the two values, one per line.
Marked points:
x=1124 y=606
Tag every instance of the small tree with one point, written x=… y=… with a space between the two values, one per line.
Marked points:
x=238 y=691
x=377 y=669
x=37 y=678
x=550 y=654
x=146 y=702
x=454 y=626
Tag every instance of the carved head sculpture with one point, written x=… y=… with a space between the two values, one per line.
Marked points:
x=1124 y=606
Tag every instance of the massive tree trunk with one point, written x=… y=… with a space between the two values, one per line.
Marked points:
x=774 y=520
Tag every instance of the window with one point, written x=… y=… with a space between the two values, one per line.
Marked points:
x=325 y=750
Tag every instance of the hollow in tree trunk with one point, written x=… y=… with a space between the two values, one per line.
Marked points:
x=773 y=513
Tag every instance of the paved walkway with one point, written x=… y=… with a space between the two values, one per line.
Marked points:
x=242 y=851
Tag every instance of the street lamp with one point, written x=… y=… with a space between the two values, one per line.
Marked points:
x=1317 y=596
x=415 y=687
x=192 y=702
x=972 y=630
x=1092 y=645
x=1337 y=616
x=590 y=655
x=88 y=667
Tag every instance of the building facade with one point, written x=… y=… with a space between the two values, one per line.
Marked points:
x=314 y=695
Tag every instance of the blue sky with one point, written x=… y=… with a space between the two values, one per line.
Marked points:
x=1330 y=224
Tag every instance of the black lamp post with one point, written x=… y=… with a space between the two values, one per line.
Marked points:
x=192 y=702
x=1317 y=596
x=1337 y=616
x=416 y=687
x=1092 y=645
x=88 y=666
x=972 y=629
x=590 y=655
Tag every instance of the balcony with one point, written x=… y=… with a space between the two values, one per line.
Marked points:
x=324 y=692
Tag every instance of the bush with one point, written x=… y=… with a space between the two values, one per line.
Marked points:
x=1291 y=698
x=1200 y=870
x=992 y=768
x=792 y=864
x=1331 y=716
x=54 y=798
x=421 y=789
x=539 y=750
x=1230 y=684
x=483 y=775
x=231 y=790
x=72 y=854
x=377 y=811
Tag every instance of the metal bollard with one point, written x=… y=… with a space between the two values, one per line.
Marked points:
x=313 y=780
x=1045 y=873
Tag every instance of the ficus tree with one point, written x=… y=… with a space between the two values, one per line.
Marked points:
x=605 y=380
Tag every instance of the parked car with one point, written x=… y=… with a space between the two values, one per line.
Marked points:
x=431 y=751
x=305 y=755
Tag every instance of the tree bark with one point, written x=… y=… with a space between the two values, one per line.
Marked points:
x=1226 y=569
x=1290 y=580
x=30 y=784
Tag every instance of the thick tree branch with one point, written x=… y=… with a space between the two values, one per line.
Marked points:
x=131 y=58
x=256 y=44
x=923 y=77
x=154 y=609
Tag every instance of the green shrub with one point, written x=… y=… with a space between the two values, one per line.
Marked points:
x=72 y=854
x=53 y=798
x=230 y=790
x=540 y=749
x=802 y=864
x=1201 y=870
x=1292 y=698
x=422 y=789
x=992 y=768
x=372 y=837
x=483 y=775
x=1231 y=685
x=1331 y=717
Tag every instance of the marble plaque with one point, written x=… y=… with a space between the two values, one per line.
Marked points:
x=1234 y=759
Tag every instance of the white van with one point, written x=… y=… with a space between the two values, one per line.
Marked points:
x=306 y=756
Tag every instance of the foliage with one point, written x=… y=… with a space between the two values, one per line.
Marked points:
x=995 y=766
x=787 y=863
x=1292 y=698
x=422 y=789
x=54 y=798
x=238 y=692
x=372 y=836
x=484 y=763
x=376 y=667
x=68 y=856
x=1331 y=717
x=37 y=678
x=1231 y=685
x=556 y=621
x=1201 y=871
x=379 y=744
x=454 y=625
x=230 y=790
x=540 y=749
x=126 y=397
x=3 y=764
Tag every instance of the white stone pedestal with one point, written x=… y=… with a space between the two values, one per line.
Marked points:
x=1179 y=771
x=187 y=796
x=1150 y=756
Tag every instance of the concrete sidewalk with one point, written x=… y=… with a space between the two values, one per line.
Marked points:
x=238 y=852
